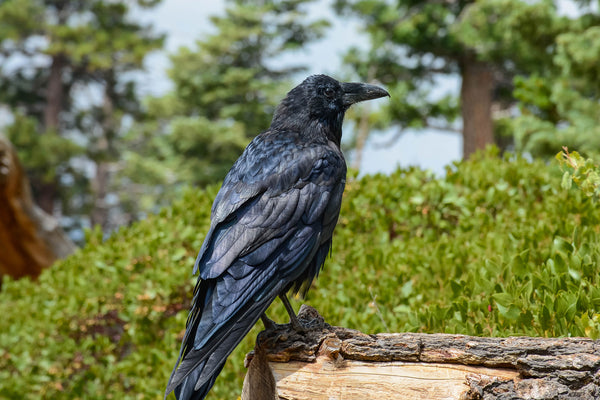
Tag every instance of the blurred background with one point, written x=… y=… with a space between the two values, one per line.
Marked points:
x=112 y=106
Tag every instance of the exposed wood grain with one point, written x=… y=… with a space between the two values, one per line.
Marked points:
x=377 y=380
x=260 y=382
x=337 y=363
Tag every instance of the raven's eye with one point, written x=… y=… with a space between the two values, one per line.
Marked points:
x=329 y=92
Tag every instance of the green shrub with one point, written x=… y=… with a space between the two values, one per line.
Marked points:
x=584 y=172
x=497 y=248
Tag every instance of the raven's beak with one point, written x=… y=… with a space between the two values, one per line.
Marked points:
x=355 y=92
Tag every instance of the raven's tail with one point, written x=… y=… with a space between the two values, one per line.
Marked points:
x=186 y=390
x=199 y=367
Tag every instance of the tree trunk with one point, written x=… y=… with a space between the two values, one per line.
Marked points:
x=47 y=191
x=103 y=146
x=30 y=239
x=99 y=215
x=329 y=363
x=54 y=94
x=476 y=94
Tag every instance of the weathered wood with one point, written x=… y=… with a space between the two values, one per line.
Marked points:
x=337 y=363
x=260 y=382
x=30 y=239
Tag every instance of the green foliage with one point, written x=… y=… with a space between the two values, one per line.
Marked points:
x=497 y=247
x=585 y=173
x=19 y=18
x=45 y=153
x=411 y=44
x=509 y=31
x=559 y=103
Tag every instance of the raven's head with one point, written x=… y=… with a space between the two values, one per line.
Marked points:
x=318 y=104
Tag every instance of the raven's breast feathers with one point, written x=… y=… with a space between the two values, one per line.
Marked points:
x=252 y=216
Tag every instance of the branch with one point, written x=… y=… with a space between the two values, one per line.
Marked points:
x=402 y=131
x=446 y=128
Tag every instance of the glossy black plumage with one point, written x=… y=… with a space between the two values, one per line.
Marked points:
x=271 y=226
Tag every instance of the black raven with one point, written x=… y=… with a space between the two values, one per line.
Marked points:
x=271 y=226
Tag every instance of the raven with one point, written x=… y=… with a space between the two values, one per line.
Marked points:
x=271 y=226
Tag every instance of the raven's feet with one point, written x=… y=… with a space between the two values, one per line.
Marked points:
x=296 y=325
x=269 y=324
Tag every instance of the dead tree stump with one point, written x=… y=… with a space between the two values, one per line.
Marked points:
x=327 y=363
x=30 y=239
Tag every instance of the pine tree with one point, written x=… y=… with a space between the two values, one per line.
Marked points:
x=486 y=43
x=561 y=106
x=65 y=78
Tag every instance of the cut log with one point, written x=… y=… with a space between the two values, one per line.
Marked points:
x=327 y=363
x=30 y=239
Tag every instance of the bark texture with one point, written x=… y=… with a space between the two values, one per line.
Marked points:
x=30 y=239
x=476 y=94
x=54 y=93
x=337 y=363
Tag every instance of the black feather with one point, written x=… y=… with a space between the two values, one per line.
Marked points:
x=271 y=226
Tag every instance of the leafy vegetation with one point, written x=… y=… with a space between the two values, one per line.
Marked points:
x=583 y=172
x=560 y=108
x=497 y=247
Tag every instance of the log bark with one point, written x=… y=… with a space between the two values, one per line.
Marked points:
x=329 y=362
x=30 y=239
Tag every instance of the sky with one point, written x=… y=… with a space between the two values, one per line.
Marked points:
x=185 y=21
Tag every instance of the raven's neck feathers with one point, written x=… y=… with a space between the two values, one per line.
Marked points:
x=293 y=115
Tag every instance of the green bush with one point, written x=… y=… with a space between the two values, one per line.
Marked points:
x=585 y=173
x=497 y=248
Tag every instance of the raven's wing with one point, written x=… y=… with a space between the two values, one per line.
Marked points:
x=271 y=228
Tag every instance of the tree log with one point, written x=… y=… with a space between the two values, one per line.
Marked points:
x=328 y=362
x=30 y=239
